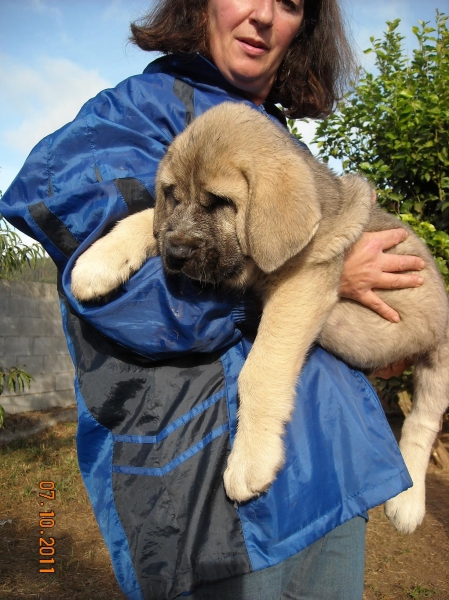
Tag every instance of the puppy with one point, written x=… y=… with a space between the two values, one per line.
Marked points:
x=239 y=204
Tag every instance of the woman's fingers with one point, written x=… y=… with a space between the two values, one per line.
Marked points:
x=395 y=263
x=389 y=238
x=373 y=301
x=394 y=281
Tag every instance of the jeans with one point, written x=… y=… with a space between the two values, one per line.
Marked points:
x=330 y=569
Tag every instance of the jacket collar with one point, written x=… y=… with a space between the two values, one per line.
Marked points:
x=196 y=69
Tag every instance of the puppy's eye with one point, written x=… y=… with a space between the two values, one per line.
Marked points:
x=214 y=201
x=170 y=195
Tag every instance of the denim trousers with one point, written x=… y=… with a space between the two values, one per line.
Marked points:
x=330 y=569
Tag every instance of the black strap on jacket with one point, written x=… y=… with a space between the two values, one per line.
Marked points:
x=185 y=92
x=54 y=228
x=135 y=194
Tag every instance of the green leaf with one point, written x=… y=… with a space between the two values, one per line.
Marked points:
x=14 y=254
x=14 y=379
x=364 y=166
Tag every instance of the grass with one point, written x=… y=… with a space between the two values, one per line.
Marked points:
x=49 y=457
x=419 y=592
x=82 y=566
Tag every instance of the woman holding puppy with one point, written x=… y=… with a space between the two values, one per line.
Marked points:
x=157 y=365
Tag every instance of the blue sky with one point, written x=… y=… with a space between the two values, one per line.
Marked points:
x=55 y=55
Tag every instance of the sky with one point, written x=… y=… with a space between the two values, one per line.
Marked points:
x=55 y=55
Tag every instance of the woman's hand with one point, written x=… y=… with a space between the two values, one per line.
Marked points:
x=367 y=268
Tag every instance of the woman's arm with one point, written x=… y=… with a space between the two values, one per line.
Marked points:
x=367 y=268
x=85 y=177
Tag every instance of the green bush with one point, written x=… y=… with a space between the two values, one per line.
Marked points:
x=393 y=127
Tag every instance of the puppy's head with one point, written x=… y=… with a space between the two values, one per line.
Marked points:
x=232 y=192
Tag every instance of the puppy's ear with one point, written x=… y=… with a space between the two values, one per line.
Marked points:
x=283 y=212
x=160 y=209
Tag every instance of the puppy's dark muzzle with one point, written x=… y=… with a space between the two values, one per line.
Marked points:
x=178 y=251
x=177 y=256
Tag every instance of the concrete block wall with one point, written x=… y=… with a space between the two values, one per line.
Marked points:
x=32 y=338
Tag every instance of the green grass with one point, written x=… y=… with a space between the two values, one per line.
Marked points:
x=419 y=592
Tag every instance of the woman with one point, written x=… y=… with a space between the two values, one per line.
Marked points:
x=157 y=365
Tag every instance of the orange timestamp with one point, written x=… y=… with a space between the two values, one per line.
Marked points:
x=46 y=522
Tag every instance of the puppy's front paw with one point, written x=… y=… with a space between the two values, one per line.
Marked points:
x=114 y=258
x=99 y=271
x=406 y=511
x=252 y=468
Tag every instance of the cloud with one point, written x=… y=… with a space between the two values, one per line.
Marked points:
x=43 y=99
x=48 y=8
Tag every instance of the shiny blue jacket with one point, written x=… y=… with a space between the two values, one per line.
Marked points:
x=157 y=366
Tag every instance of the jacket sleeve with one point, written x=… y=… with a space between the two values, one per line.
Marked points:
x=80 y=180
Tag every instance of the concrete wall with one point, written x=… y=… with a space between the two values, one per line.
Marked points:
x=32 y=338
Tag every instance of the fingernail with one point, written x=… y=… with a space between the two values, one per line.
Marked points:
x=422 y=264
x=419 y=281
x=396 y=319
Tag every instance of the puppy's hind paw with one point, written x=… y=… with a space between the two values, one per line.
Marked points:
x=406 y=511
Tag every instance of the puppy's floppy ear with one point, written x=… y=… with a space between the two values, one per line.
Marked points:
x=160 y=209
x=283 y=212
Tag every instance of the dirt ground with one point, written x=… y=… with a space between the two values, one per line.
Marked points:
x=414 y=566
x=398 y=567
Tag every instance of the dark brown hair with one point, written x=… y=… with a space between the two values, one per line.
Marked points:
x=314 y=74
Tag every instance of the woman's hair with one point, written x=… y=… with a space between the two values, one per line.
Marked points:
x=314 y=74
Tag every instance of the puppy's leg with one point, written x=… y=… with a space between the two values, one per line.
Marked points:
x=295 y=310
x=111 y=260
x=431 y=398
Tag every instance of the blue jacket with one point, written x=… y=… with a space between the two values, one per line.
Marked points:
x=157 y=366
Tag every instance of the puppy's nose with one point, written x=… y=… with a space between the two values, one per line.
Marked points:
x=177 y=252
